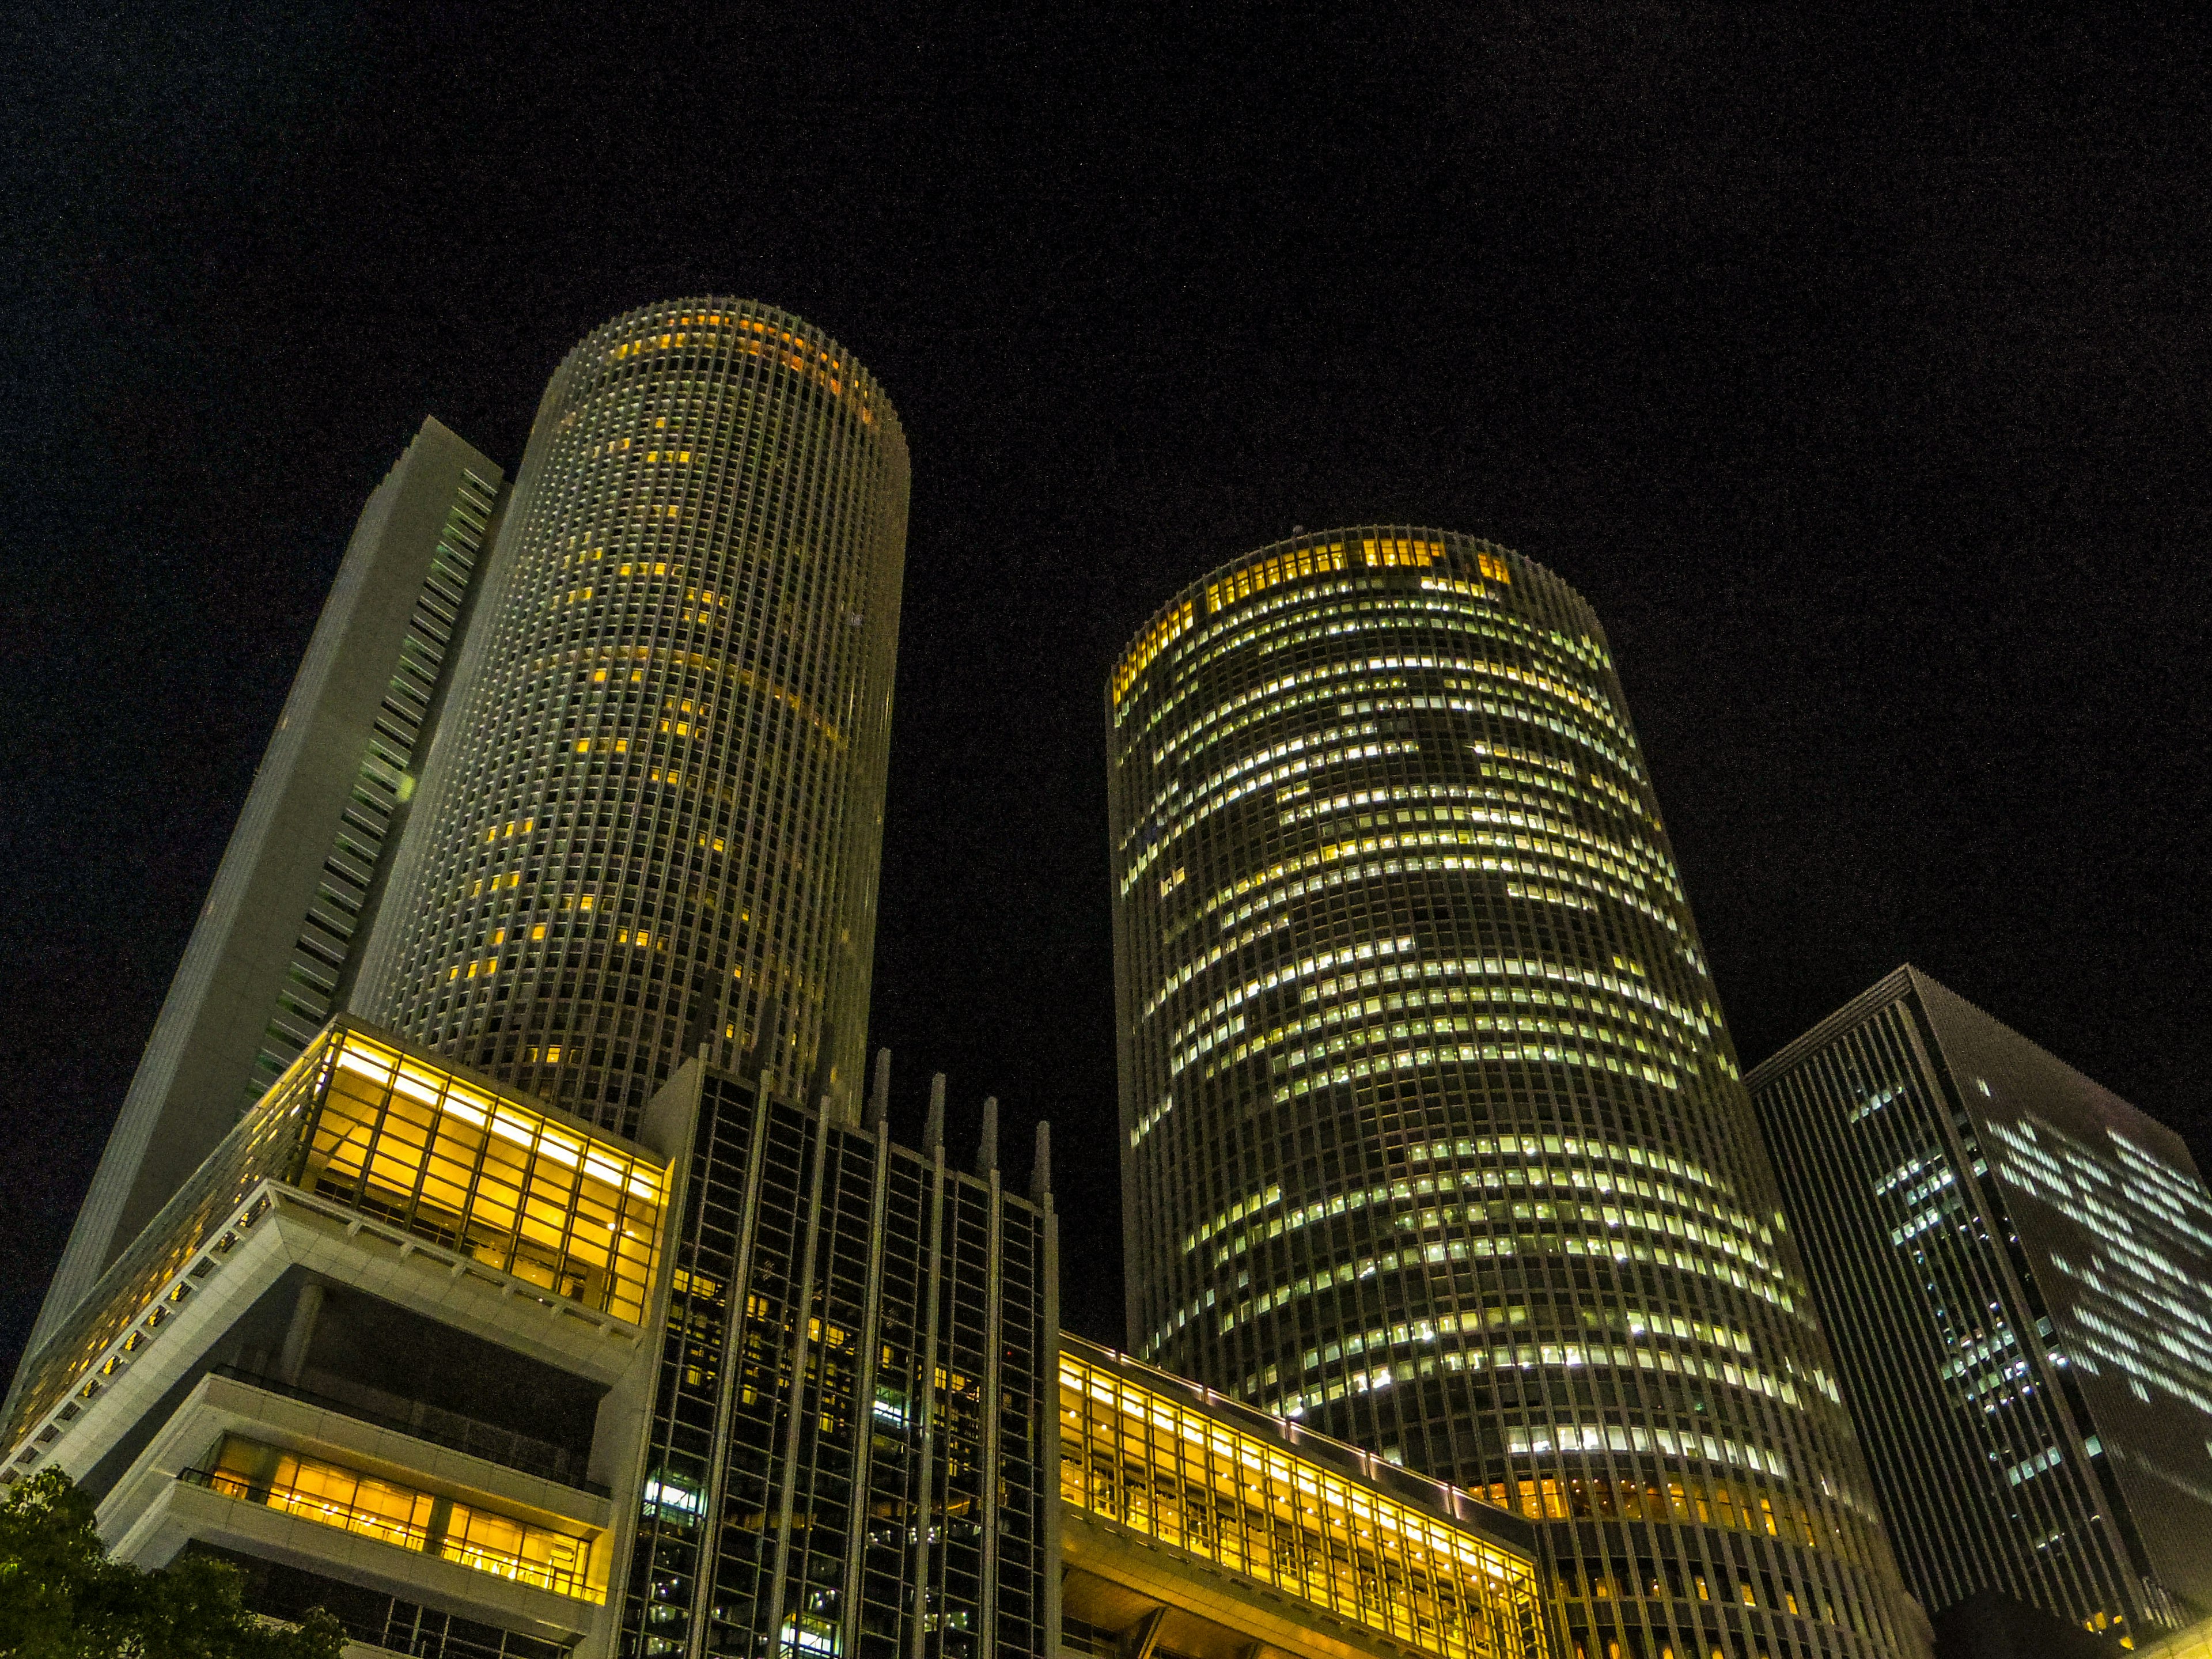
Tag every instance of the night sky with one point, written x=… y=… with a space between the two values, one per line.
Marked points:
x=1857 y=372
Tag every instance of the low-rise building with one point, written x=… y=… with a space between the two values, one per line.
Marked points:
x=488 y=1384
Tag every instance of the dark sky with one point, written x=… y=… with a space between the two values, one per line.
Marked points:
x=1855 y=371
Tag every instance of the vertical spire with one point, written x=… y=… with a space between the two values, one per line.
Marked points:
x=879 y=1099
x=933 y=1131
x=1041 y=1172
x=987 y=1149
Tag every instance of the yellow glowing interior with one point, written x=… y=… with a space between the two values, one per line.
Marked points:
x=486 y=1175
x=1156 y=639
x=1265 y=573
x=1149 y=1461
x=478 y=1539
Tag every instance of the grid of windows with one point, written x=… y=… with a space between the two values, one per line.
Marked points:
x=2016 y=1268
x=451 y=1161
x=373 y=1617
x=842 y=1456
x=655 y=821
x=290 y=913
x=1433 y=1133
x=1142 y=1456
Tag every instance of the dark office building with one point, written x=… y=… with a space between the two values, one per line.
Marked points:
x=2015 y=1266
x=847 y=1450
x=1432 y=1134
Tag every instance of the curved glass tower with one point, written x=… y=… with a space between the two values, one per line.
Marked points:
x=1433 y=1134
x=654 y=821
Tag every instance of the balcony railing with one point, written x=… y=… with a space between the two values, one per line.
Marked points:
x=432 y=1422
x=411 y=1520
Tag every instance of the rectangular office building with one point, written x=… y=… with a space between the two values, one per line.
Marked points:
x=2016 y=1269
x=843 y=1445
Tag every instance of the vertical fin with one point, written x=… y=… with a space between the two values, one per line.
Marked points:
x=933 y=1131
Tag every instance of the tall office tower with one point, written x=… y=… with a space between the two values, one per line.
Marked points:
x=488 y=1384
x=654 y=819
x=2016 y=1268
x=278 y=944
x=1431 y=1133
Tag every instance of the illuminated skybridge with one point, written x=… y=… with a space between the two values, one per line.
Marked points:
x=1194 y=1526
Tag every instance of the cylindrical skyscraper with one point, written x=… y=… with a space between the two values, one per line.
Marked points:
x=1433 y=1134
x=654 y=819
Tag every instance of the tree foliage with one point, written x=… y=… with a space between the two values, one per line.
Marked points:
x=62 y=1598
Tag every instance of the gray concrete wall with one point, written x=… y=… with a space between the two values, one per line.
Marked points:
x=189 y=1087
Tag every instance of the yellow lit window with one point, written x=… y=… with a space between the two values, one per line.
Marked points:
x=333 y=1496
x=1267 y=573
x=1147 y=1460
x=577 y=1215
x=1155 y=639
x=1400 y=551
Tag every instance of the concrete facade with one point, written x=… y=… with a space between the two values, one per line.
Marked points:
x=277 y=944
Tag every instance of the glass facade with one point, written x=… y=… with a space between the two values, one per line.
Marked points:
x=654 y=819
x=843 y=1454
x=1147 y=1454
x=2015 y=1268
x=479 y=1172
x=377 y=1619
x=359 y=1120
x=333 y=1496
x=1433 y=1134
